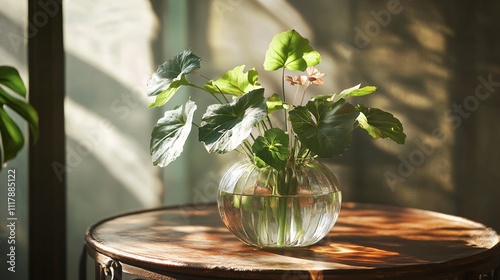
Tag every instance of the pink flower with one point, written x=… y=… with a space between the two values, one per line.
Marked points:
x=300 y=80
x=313 y=77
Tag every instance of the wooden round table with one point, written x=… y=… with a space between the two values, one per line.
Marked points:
x=368 y=242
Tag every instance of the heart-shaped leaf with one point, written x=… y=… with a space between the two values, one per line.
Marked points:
x=291 y=51
x=235 y=82
x=225 y=126
x=171 y=75
x=272 y=149
x=380 y=124
x=170 y=133
x=324 y=127
x=183 y=63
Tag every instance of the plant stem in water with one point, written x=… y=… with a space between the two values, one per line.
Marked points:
x=282 y=221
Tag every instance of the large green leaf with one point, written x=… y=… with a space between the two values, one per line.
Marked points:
x=324 y=127
x=170 y=133
x=235 y=82
x=380 y=124
x=272 y=149
x=183 y=63
x=291 y=51
x=12 y=137
x=10 y=78
x=25 y=110
x=225 y=126
x=171 y=75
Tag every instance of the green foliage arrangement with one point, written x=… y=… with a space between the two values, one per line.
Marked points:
x=240 y=120
x=12 y=139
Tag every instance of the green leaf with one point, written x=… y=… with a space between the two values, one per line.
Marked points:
x=259 y=162
x=235 y=82
x=183 y=63
x=324 y=127
x=12 y=139
x=165 y=95
x=274 y=103
x=291 y=51
x=380 y=124
x=10 y=78
x=170 y=133
x=352 y=91
x=11 y=135
x=23 y=109
x=225 y=126
x=355 y=91
x=328 y=97
x=272 y=149
x=170 y=76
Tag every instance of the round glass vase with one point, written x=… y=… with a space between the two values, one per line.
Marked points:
x=295 y=207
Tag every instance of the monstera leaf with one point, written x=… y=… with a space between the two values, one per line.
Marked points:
x=225 y=126
x=235 y=82
x=380 y=124
x=170 y=133
x=170 y=76
x=291 y=51
x=12 y=139
x=324 y=127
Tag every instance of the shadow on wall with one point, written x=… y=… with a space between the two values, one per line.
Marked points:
x=436 y=65
x=109 y=171
x=436 y=68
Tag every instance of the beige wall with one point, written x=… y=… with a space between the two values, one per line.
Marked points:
x=431 y=61
x=436 y=64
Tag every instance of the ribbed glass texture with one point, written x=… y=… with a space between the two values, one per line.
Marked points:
x=296 y=207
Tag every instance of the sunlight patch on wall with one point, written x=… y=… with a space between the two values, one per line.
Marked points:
x=119 y=155
x=111 y=36
x=235 y=30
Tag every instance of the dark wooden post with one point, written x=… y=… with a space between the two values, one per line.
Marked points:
x=47 y=183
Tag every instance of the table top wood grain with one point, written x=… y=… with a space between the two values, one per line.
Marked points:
x=368 y=242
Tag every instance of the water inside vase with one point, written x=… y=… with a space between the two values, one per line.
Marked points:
x=279 y=221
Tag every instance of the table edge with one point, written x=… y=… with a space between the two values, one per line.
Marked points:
x=172 y=266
